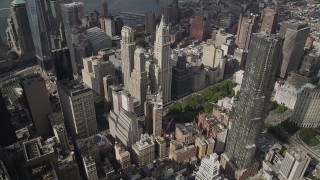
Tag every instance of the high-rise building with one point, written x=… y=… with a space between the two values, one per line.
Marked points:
x=181 y=85
x=39 y=19
x=90 y=168
x=62 y=64
x=269 y=21
x=150 y=22
x=75 y=12
x=200 y=28
x=98 y=39
x=248 y=24
x=143 y=151
x=7 y=134
x=213 y=57
x=139 y=79
x=294 y=165
x=123 y=157
x=306 y=110
x=77 y=105
x=21 y=39
x=123 y=122
x=209 y=168
x=295 y=34
x=105 y=8
x=39 y=106
x=109 y=25
x=61 y=134
x=93 y=72
x=127 y=54
x=162 y=57
x=264 y=55
x=170 y=11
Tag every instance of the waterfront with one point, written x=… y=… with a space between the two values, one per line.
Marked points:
x=115 y=6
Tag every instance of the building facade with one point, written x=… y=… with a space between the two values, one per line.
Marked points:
x=258 y=80
x=143 y=151
x=248 y=24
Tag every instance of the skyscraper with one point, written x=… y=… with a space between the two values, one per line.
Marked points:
x=105 y=8
x=170 y=11
x=36 y=94
x=294 y=165
x=200 y=28
x=265 y=53
x=78 y=108
x=127 y=54
x=269 y=21
x=162 y=59
x=21 y=29
x=139 y=79
x=295 y=34
x=39 y=20
x=150 y=22
x=62 y=64
x=248 y=24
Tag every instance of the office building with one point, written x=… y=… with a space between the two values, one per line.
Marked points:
x=248 y=24
x=123 y=157
x=105 y=8
x=287 y=93
x=295 y=34
x=56 y=118
x=139 y=79
x=7 y=134
x=163 y=71
x=123 y=121
x=109 y=25
x=98 y=39
x=269 y=21
x=39 y=106
x=214 y=58
x=68 y=167
x=93 y=72
x=19 y=32
x=170 y=11
x=181 y=85
x=75 y=12
x=294 y=165
x=62 y=64
x=39 y=18
x=264 y=55
x=182 y=153
x=310 y=65
x=60 y=132
x=143 y=151
x=127 y=54
x=150 y=22
x=200 y=28
x=306 y=110
x=209 y=168
x=77 y=105
x=90 y=168
x=162 y=147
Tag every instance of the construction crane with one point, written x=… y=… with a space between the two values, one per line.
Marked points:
x=164 y=133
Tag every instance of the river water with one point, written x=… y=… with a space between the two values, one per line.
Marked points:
x=115 y=6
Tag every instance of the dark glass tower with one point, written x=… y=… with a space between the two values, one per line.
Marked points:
x=265 y=53
x=62 y=64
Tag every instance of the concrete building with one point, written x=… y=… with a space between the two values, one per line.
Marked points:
x=310 y=65
x=255 y=93
x=183 y=153
x=123 y=121
x=143 y=151
x=68 y=167
x=163 y=71
x=75 y=12
x=127 y=54
x=213 y=57
x=295 y=34
x=269 y=20
x=139 y=79
x=150 y=22
x=187 y=133
x=109 y=26
x=19 y=35
x=39 y=106
x=60 y=132
x=98 y=39
x=294 y=165
x=90 y=168
x=306 y=110
x=200 y=28
x=209 y=168
x=170 y=11
x=56 y=118
x=77 y=105
x=248 y=24
x=93 y=72
x=287 y=93
x=162 y=147
x=123 y=157
x=201 y=147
